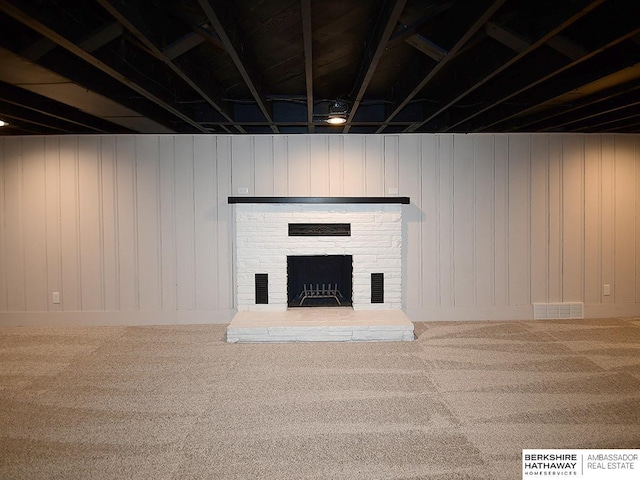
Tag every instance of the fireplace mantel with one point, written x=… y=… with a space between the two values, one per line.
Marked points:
x=320 y=200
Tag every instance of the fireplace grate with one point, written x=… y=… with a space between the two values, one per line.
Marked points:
x=326 y=291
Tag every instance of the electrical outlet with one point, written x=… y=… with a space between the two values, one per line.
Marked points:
x=606 y=290
x=55 y=296
x=243 y=191
x=392 y=191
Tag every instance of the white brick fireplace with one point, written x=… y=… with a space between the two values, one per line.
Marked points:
x=263 y=243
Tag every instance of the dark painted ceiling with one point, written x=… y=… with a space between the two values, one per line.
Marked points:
x=276 y=66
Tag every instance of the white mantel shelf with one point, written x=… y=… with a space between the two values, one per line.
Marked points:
x=320 y=200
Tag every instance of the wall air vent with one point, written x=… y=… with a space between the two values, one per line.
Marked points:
x=558 y=311
x=377 y=288
x=262 y=288
x=319 y=229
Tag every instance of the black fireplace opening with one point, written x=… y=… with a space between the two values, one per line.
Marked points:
x=319 y=280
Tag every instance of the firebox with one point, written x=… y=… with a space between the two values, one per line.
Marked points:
x=319 y=280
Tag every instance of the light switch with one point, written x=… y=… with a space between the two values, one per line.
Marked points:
x=55 y=297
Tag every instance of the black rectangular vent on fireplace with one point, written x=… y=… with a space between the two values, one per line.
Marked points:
x=319 y=229
x=262 y=288
x=377 y=288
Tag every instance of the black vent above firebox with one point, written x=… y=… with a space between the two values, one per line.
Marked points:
x=319 y=229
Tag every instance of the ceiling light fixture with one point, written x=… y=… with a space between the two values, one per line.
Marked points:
x=337 y=113
x=336 y=120
x=3 y=123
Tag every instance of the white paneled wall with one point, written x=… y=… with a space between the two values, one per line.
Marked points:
x=129 y=229
x=137 y=229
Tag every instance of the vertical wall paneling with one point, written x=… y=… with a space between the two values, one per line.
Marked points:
x=336 y=166
x=592 y=220
x=3 y=233
x=501 y=213
x=109 y=202
x=625 y=219
x=148 y=222
x=429 y=220
x=264 y=166
x=299 y=166
x=14 y=229
x=52 y=205
x=539 y=223
x=637 y=207
x=554 y=279
x=34 y=224
x=243 y=168
x=185 y=222
x=445 y=219
x=572 y=218
x=168 y=233
x=463 y=220
x=354 y=162
x=280 y=165
x=71 y=281
x=484 y=275
x=206 y=218
x=122 y=223
x=225 y=228
x=128 y=282
x=319 y=151
x=374 y=166
x=519 y=225
x=390 y=163
x=409 y=184
x=90 y=226
x=607 y=233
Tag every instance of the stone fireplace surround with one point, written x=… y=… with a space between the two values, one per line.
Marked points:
x=263 y=244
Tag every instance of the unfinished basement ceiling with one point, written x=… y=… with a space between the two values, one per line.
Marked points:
x=278 y=66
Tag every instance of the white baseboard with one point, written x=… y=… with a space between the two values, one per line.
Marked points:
x=69 y=319
x=524 y=312
x=183 y=317
x=430 y=314
x=617 y=310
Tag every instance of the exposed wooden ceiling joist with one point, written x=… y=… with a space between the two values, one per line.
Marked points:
x=307 y=33
x=563 y=113
x=383 y=28
x=182 y=45
x=519 y=45
x=228 y=31
x=130 y=21
x=538 y=81
x=102 y=37
x=240 y=66
x=9 y=9
x=427 y=47
x=453 y=51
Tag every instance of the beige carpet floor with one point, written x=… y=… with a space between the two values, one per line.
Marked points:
x=460 y=402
